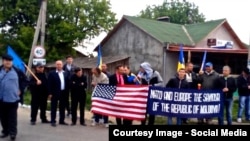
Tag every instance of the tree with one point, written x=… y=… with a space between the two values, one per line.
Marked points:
x=68 y=22
x=179 y=12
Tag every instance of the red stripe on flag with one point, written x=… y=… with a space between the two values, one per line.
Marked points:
x=129 y=102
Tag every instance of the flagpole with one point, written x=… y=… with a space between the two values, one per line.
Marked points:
x=30 y=71
x=203 y=60
x=189 y=56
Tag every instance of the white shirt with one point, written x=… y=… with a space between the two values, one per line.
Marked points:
x=61 y=76
x=189 y=77
x=68 y=66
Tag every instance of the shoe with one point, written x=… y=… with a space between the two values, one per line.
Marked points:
x=239 y=120
x=83 y=124
x=32 y=123
x=106 y=125
x=93 y=124
x=72 y=124
x=45 y=121
x=63 y=123
x=53 y=124
x=4 y=136
x=101 y=121
x=12 y=137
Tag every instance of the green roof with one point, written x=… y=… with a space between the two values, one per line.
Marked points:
x=201 y=30
x=175 y=33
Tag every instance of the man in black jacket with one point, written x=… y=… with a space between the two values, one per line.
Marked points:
x=228 y=85
x=119 y=78
x=57 y=93
x=191 y=76
x=68 y=68
x=39 y=94
x=243 y=84
x=178 y=82
x=78 y=95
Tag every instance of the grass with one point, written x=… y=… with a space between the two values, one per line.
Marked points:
x=159 y=119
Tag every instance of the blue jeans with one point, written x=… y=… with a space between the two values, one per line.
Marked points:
x=244 y=102
x=228 y=104
x=170 y=121
x=98 y=117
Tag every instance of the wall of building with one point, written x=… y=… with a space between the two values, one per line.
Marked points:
x=130 y=40
x=220 y=33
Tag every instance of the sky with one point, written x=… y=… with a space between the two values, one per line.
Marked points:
x=236 y=13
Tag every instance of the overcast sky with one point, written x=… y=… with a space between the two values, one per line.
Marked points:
x=236 y=12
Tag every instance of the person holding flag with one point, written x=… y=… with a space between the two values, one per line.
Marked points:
x=151 y=77
x=208 y=79
x=99 y=77
x=9 y=98
x=19 y=67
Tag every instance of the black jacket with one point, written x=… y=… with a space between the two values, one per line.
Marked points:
x=231 y=85
x=194 y=83
x=113 y=79
x=78 y=84
x=242 y=85
x=55 y=83
x=39 y=89
x=175 y=82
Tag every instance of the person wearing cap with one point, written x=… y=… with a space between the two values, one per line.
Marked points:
x=78 y=95
x=207 y=79
x=39 y=94
x=9 y=98
x=243 y=85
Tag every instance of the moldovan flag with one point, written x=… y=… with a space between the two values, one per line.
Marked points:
x=127 y=101
x=99 y=57
x=181 y=61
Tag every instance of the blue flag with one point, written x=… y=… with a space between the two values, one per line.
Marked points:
x=17 y=61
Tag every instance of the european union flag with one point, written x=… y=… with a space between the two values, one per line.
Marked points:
x=17 y=61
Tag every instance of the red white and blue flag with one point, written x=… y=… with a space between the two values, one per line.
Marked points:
x=127 y=101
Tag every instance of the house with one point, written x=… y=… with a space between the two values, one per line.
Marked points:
x=158 y=42
x=87 y=63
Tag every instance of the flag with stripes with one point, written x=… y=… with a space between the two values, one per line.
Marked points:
x=128 y=101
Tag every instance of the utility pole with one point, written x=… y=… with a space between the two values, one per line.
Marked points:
x=40 y=27
x=44 y=9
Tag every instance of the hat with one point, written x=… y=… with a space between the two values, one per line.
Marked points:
x=246 y=70
x=208 y=64
x=7 y=57
x=39 y=64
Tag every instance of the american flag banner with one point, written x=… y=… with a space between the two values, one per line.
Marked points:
x=127 y=101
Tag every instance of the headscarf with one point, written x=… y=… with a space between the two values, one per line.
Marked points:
x=148 y=69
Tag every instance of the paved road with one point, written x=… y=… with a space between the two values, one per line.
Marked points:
x=45 y=132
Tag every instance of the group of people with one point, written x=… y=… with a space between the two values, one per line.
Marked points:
x=185 y=78
x=63 y=84
x=67 y=82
